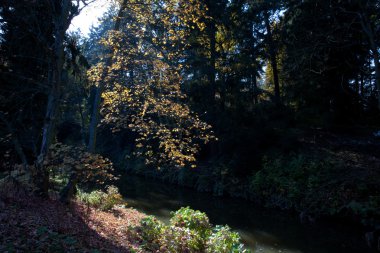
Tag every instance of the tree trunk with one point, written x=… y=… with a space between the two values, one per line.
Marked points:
x=100 y=88
x=377 y=75
x=95 y=117
x=212 y=69
x=253 y=69
x=273 y=59
x=82 y=124
x=254 y=88
x=69 y=190
x=40 y=175
x=368 y=30
x=356 y=88
x=362 y=84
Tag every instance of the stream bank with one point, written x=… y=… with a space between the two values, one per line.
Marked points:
x=262 y=230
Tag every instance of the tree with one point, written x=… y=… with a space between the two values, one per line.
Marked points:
x=101 y=85
x=324 y=54
x=57 y=15
x=26 y=36
x=367 y=14
x=142 y=87
x=268 y=13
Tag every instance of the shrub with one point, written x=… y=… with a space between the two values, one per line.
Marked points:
x=63 y=160
x=289 y=180
x=368 y=210
x=191 y=219
x=101 y=200
x=223 y=240
x=151 y=231
x=188 y=231
x=92 y=199
x=181 y=239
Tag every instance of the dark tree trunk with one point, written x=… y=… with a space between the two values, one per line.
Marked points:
x=100 y=88
x=356 y=88
x=40 y=175
x=211 y=73
x=273 y=58
x=69 y=190
x=254 y=88
x=377 y=75
x=95 y=117
x=362 y=84
x=368 y=30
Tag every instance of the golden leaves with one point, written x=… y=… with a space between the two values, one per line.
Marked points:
x=144 y=81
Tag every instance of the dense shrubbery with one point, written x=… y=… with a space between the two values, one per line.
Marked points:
x=315 y=185
x=368 y=211
x=63 y=160
x=288 y=180
x=188 y=231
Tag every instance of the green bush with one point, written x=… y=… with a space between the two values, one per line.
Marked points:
x=151 y=231
x=368 y=210
x=181 y=239
x=191 y=219
x=188 y=231
x=223 y=240
x=319 y=185
x=101 y=200
x=289 y=180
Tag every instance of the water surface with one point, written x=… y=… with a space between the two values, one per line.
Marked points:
x=262 y=230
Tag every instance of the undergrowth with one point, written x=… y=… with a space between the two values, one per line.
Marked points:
x=101 y=200
x=188 y=231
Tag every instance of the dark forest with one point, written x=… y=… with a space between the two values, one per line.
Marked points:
x=271 y=104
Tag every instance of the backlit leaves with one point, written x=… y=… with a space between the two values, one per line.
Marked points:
x=144 y=81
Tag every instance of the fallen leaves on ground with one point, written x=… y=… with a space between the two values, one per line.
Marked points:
x=38 y=225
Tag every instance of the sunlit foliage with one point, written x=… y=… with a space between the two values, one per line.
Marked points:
x=101 y=200
x=143 y=85
x=188 y=231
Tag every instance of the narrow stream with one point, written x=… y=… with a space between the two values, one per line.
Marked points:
x=262 y=230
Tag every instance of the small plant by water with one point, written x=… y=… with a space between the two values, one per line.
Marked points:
x=188 y=231
x=101 y=200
